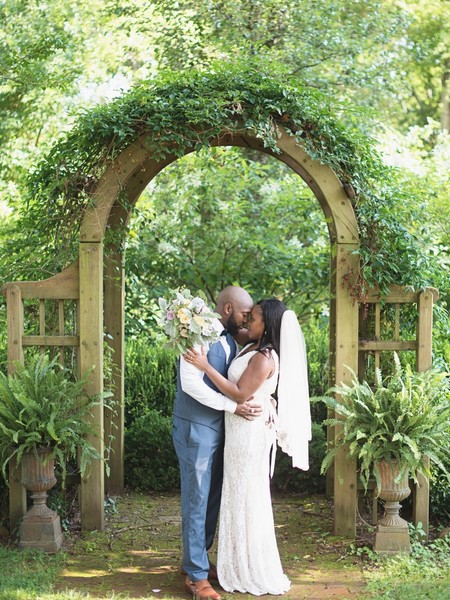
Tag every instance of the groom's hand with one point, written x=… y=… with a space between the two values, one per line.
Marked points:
x=249 y=410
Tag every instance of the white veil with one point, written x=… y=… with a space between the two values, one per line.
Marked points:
x=294 y=417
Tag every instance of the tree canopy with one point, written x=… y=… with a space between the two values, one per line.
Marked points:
x=378 y=68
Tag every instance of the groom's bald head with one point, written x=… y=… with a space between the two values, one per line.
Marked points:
x=234 y=295
x=234 y=304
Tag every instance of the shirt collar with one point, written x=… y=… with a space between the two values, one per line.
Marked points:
x=217 y=326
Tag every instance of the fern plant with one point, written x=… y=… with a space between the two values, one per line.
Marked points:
x=43 y=406
x=405 y=418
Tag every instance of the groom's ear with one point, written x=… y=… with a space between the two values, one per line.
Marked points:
x=227 y=308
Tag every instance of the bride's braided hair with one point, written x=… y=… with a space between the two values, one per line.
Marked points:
x=272 y=312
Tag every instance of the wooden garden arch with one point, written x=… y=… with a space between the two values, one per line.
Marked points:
x=95 y=283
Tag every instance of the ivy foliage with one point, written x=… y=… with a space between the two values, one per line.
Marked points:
x=179 y=113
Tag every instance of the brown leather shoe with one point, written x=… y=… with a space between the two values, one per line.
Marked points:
x=201 y=590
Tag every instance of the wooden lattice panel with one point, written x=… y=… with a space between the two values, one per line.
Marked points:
x=398 y=322
x=44 y=315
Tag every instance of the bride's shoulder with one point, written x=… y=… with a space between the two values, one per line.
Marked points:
x=250 y=347
x=267 y=354
x=265 y=361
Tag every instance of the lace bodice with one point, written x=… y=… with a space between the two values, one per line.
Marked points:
x=264 y=393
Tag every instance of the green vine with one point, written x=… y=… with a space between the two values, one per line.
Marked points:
x=180 y=112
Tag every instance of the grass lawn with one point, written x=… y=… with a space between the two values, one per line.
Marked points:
x=138 y=556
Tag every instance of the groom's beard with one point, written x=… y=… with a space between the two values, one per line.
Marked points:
x=232 y=326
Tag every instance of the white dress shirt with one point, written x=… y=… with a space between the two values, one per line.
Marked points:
x=192 y=382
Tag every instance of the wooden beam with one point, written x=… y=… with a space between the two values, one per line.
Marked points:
x=63 y=286
x=347 y=317
x=134 y=168
x=393 y=345
x=51 y=340
x=327 y=188
x=91 y=358
x=114 y=286
x=400 y=294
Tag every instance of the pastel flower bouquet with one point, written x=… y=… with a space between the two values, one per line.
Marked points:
x=187 y=320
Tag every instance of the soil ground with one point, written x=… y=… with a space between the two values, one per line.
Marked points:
x=138 y=554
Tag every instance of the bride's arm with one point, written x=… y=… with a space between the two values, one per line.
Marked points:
x=257 y=371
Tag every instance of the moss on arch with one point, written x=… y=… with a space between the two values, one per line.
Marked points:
x=180 y=112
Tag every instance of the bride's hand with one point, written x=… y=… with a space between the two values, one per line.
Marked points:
x=193 y=357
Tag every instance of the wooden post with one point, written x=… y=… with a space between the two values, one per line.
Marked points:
x=424 y=331
x=363 y=334
x=331 y=366
x=114 y=328
x=421 y=501
x=14 y=316
x=345 y=482
x=91 y=357
x=421 y=497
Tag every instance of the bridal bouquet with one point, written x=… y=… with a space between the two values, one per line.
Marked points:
x=187 y=320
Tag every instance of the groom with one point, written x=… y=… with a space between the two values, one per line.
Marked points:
x=198 y=436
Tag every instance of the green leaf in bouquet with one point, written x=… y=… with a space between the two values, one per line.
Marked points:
x=195 y=327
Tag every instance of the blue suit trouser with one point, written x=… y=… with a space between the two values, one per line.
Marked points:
x=200 y=453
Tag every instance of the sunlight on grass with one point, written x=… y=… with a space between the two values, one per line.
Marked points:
x=86 y=573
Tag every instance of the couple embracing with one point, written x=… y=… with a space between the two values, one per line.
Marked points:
x=225 y=398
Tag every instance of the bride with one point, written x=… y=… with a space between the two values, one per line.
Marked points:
x=248 y=558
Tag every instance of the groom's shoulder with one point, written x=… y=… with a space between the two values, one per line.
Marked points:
x=216 y=347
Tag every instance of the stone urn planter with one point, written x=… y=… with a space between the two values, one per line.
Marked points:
x=46 y=419
x=41 y=526
x=398 y=423
x=392 y=531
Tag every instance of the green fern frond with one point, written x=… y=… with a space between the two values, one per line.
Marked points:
x=405 y=416
x=42 y=404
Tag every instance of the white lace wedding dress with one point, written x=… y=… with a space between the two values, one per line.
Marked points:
x=248 y=558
